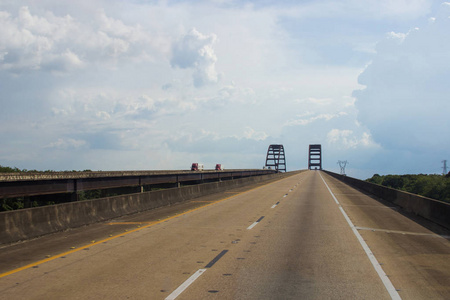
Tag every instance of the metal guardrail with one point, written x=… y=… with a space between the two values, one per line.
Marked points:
x=25 y=184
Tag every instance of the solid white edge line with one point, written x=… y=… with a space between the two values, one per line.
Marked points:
x=386 y=281
x=185 y=284
x=335 y=200
x=251 y=226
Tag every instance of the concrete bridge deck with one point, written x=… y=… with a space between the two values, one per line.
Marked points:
x=307 y=236
x=30 y=176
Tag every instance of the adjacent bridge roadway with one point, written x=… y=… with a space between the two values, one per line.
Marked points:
x=30 y=184
x=307 y=236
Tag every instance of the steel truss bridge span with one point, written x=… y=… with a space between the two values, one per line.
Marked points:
x=275 y=157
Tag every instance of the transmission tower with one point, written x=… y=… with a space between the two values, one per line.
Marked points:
x=444 y=168
x=342 y=165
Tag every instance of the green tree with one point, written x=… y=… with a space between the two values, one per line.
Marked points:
x=431 y=186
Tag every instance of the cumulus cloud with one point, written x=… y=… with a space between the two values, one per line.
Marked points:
x=195 y=51
x=62 y=62
x=108 y=105
x=347 y=139
x=405 y=102
x=141 y=105
x=252 y=134
x=47 y=42
x=316 y=101
x=306 y=121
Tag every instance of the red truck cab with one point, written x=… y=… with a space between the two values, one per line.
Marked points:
x=197 y=167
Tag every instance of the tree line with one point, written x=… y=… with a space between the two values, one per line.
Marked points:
x=4 y=169
x=428 y=185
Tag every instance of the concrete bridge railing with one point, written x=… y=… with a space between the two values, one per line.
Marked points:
x=430 y=209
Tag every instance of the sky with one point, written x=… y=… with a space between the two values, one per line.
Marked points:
x=158 y=85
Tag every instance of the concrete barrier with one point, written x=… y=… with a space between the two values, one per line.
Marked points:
x=33 y=222
x=430 y=209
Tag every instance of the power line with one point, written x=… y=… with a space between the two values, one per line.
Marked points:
x=444 y=168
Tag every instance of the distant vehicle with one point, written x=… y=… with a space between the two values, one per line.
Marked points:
x=197 y=167
x=219 y=167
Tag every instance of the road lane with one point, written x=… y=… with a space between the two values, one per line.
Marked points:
x=302 y=248
x=393 y=293
x=32 y=251
x=416 y=259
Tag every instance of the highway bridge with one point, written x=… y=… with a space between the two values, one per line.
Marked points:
x=295 y=235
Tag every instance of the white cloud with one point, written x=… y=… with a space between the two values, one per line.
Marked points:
x=250 y=133
x=195 y=51
x=116 y=28
x=325 y=117
x=318 y=101
x=103 y=115
x=62 y=62
x=143 y=103
x=32 y=42
x=405 y=103
x=399 y=37
x=347 y=139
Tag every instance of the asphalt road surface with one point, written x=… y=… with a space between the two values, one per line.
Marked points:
x=307 y=236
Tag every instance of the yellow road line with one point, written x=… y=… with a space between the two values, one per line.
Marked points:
x=39 y=262
x=198 y=201
x=127 y=223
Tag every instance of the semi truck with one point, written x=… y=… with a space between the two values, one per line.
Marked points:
x=197 y=167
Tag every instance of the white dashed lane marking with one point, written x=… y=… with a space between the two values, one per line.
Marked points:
x=255 y=223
